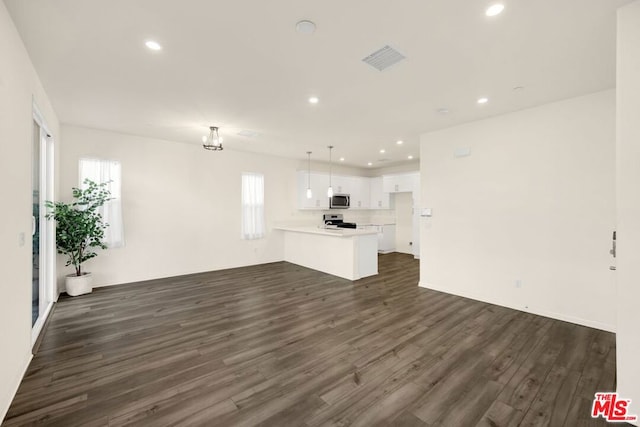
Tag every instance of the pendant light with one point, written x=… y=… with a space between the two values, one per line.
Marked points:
x=309 y=193
x=330 y=189
x=213 y=142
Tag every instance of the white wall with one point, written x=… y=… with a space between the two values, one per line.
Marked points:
x=407 y=166
x=181 y=205
x=535 y=202
x=628 y=184
x=19 y=87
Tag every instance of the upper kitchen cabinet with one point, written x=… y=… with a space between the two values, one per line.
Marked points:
x=319 y=185
x=378 y=198
x=365 y=192
x=360 y=192
x=341 y=184
x=401 y=183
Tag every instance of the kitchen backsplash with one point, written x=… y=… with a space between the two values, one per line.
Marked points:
x=314 y=217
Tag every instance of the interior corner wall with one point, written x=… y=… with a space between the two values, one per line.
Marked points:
x=19 y=89
x=181 y=205
x=525 y=221
x=628 y=205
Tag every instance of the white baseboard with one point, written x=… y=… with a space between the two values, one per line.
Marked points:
x=16 y=384
x=533 y=310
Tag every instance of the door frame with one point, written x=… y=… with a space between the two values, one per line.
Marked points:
x=48 y=294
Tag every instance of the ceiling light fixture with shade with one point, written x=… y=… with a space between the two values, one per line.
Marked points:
x=330 y=189
x=212 y=142
x=309 y=193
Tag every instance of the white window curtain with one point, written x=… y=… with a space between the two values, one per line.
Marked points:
x=108 y=171
x=252 y=206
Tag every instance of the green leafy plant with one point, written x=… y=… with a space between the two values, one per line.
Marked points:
x=79 y=225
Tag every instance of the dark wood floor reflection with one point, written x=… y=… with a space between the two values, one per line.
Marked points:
x=281 y=345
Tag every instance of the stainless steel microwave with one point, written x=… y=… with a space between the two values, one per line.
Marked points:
x=339 y=201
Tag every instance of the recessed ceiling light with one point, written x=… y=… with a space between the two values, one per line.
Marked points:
x=494 y=9
x=305 y=27
x=314 y=100
x=342 y=159
x=382 y=151
x=518 y=88
x=153 y=45
x=399 y=142
x=442 y=111
x=369 y=164
x=483 y=100
x=410 y=157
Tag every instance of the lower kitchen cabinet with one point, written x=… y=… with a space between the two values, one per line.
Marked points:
x=386 y=237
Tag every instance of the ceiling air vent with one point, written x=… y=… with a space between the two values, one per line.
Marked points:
x=384 y=58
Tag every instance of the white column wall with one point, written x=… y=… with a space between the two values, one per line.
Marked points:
x=20 y=87
x=628 y=207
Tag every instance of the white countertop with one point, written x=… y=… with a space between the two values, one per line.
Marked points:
x=377 y=224
x=335 y=232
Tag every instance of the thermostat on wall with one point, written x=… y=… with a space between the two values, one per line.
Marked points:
x=428 y=212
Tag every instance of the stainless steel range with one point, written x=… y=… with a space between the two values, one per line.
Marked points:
x=336 y=221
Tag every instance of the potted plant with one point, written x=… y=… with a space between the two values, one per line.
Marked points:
x=80 y=230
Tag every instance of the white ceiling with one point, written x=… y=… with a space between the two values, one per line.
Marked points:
x=241 y=65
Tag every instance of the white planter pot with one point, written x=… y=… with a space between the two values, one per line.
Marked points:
x=79 y=285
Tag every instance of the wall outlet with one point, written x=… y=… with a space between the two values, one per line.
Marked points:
x=21 y=239
x=518 y=283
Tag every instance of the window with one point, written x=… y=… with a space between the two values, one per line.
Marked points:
x=252 y=206
x=100 y=171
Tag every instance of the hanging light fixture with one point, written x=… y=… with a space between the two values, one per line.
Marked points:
x=213 y=141
x=309 y=193
x=330 y=189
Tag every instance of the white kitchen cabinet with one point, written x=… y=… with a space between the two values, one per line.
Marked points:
x=400 y=183
x=360 y=192
x=365 y=192
x=341 y=184
x=319 y=185
x=386 y=238
x=378 y=198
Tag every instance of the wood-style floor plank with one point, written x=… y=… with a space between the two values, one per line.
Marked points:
x=282 y=345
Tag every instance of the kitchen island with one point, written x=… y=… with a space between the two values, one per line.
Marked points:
x=348 y=253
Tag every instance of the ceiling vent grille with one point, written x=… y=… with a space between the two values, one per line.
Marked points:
x=384 y=58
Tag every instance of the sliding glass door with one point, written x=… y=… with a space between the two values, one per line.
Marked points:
x=42 y=231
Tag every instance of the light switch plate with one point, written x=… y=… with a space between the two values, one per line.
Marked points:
x=428 y=212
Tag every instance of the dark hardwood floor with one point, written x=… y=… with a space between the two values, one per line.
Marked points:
x=282 y=345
